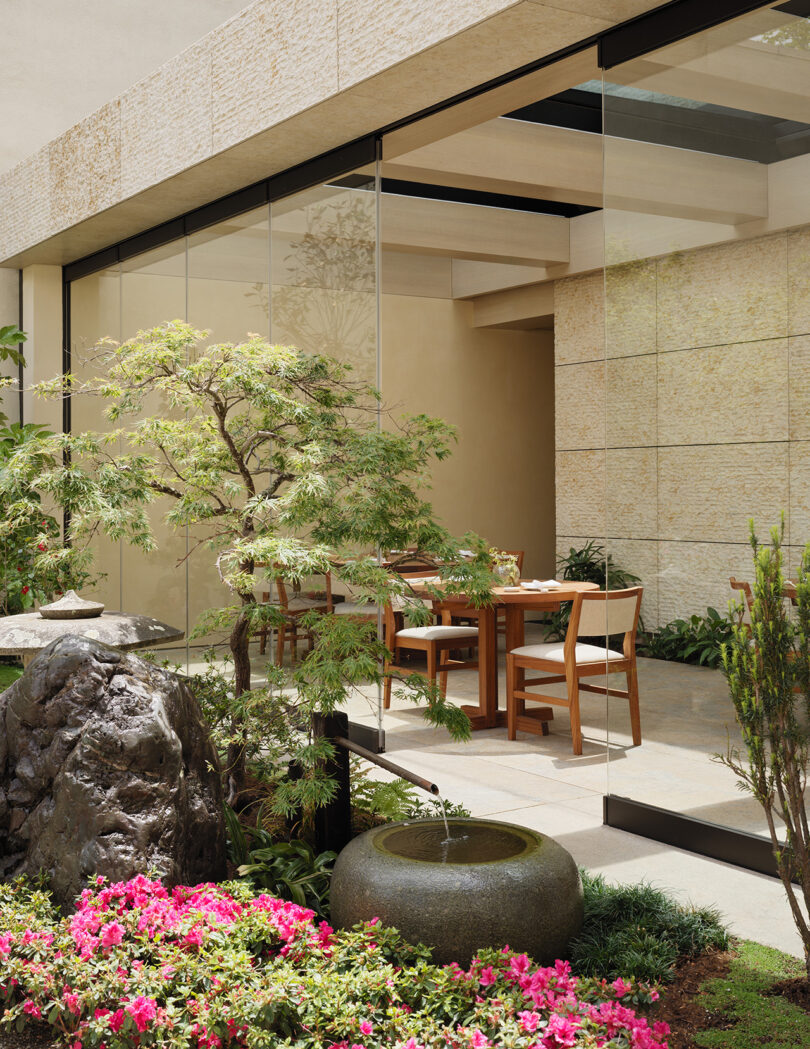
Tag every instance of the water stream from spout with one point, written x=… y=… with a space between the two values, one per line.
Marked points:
x=440 y=800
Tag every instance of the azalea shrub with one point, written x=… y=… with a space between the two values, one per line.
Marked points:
x=215 y=966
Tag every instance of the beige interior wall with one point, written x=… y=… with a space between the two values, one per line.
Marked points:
x=706 y=397
x=497 y=388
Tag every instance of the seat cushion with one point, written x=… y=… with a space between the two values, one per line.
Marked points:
x=438 y=633
x=554 y=651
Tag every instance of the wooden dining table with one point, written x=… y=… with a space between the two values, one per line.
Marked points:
x=488 y=714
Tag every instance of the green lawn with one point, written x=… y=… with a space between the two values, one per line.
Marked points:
x=756 y=1019
x=7 y=675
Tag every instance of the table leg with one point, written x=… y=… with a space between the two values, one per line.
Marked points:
x=486 y=714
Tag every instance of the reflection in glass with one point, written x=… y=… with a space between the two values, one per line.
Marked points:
x=707 y=201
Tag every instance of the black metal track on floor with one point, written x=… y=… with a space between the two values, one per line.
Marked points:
x=736 y=847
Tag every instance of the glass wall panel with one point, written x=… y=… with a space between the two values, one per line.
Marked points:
x=707 y=240
x=153 y=290
x=95 y=311
x=229 y=296
x=323 y=297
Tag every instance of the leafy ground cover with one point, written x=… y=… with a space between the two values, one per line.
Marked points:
x=8 y=674
x=213 y=966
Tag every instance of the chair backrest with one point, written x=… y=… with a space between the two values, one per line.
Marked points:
x=598 y=613
x=748 y=598
x=788 y=594
x=284 y=596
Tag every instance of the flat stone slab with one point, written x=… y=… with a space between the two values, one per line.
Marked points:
x=26 y=634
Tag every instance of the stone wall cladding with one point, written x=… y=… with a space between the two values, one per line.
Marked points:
x=706 y=410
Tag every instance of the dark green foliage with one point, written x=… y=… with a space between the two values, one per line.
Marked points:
x=289 y=869
x=34 y=565
x=588 y=564
x=8 y=675
x=697 y=640
x=639 y=931
x=395 y=799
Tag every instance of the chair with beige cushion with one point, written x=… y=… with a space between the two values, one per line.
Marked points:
x=436 y=641
x=593 y=614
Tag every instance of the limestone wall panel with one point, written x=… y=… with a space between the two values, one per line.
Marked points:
x=85 y=166
x=724 y=393
x=580 y=493
x=580 y=405
x=632 y=484
x=579 y=319
x=632 y=408
x=630 y=323
x=726 y=294
x=694 y=576
x=799 y=522
x=709 y=493
x=274 y=59
x=641 y=558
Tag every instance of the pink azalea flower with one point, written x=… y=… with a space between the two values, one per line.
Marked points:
x=528 y=1020
x=167 y=971
x=112 y=934
x=621 y=988
x=487 y=977
x=479 y=1040
x=366 y=1027
x=32 y=1009
x=142 y=1010
x=6 y=941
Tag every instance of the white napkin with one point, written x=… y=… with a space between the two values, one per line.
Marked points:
x=541 y=584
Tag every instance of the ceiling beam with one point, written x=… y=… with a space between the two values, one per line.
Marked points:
x=469 y=231
x=533 y=87
x=553 y=163
x=481 y=278
x=750 y=76
x=531 y=307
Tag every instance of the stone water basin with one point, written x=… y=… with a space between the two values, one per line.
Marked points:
x=488 y=885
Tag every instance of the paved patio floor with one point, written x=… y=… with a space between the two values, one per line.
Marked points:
x=686 y=718
x=538 y=782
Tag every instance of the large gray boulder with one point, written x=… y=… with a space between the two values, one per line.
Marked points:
x=106 y=767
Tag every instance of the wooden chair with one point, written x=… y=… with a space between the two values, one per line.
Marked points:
x=788 y=593
x=293 y=608
x=435 y=641
x=593 y=614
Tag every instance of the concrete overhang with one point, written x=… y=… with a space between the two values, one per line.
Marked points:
x=284 y=81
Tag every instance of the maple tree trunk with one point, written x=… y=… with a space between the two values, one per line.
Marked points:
x=240 y=651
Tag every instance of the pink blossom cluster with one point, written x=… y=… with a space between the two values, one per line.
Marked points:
x=554 y=991
x=184 y=915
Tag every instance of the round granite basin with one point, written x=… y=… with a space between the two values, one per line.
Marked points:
x=488 y=885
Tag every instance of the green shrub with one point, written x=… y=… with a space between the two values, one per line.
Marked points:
x=639 y=931
x=697 y=640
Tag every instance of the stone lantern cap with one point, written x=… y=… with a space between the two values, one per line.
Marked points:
x=25 y=635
